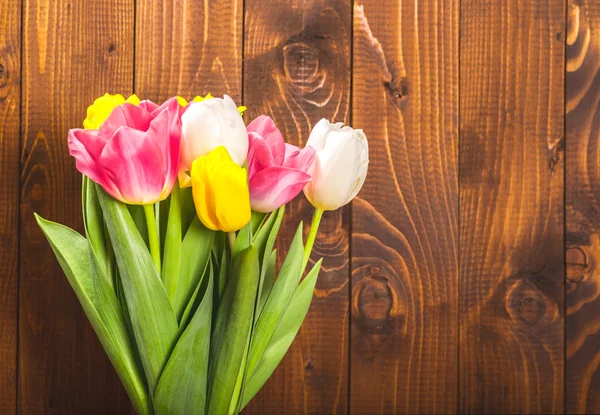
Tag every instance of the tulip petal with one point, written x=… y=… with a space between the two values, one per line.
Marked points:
x=86 y=162
x=265 y=127
x=203 y=201
x=134 y=161
x=330 y=176
x=148 y=105
x=101 y=109
x=259 y=154
x=275 y=186
x=91 y=139
x=316 y=139
x=296 y=158
x=220 y=189
x=126 y=114
x=171 y=107
x=209 y=124
x=232 y=200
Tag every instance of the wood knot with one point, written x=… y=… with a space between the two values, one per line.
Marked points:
x=527 y=305
x=376 y=301
x=112 y=49
x=397 y=88
x=577 y=262
x=302 y=68
x=3 y=75
x=36 y=192
x=309 y=366
x=313 y=62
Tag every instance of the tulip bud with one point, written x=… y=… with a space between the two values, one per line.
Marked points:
x=340 y=166
x=209 y=124
x=220 y=191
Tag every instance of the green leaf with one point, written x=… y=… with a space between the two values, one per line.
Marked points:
x=284 y=335
x=100 y=306
x=278 y=300
x=265 y=240
x=182 y=386
x=152 y=318
x=219 y=245
x=94 y=223
x=189 y=309
x=231 y=332
x=172 y=245
x=188 y=208
x=139 y=218
x=268 y=281
x=223 y=273
x=195 y=255
x=258 y=219
x=243 y=239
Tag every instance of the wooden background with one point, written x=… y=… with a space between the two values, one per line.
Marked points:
x=466 y=277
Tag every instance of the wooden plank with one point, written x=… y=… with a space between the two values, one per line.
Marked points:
x=511 y=206
x=188 y=48
x=10 y=101
x=404 y=338
x=297 y=71
x=72 y=52
x=583 y=208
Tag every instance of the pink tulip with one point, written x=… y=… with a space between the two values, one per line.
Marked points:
x=277 y=171
x=134 y=155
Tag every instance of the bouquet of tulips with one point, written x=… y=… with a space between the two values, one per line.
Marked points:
x=182 y=203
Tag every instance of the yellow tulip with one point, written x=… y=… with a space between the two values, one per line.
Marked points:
x=183 y=102
x=103 y=106
x=220 y=191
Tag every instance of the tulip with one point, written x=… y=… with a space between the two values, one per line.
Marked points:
x=134 y=155
x=220 y=191
x=340 y=166
x=207 y=125
x=277 y=171
x=198 y=98
x=183 y=102
x=102 y=107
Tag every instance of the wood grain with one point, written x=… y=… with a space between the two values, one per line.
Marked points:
x=10 y=100
x=297 y=71
x=582 y=207
x=73 y=51
x=511 y=206
x=404 y=342
x=188 y=48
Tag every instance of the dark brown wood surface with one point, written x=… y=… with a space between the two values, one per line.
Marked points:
x=404 y=337
x=297 y=71
x=188 y=48
x=511 y=206
x=582 y=207
x=72 y=52
x=10 y=101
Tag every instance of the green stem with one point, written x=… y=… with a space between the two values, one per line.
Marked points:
x=231 y=240
x=153 y=236
x=312 y=234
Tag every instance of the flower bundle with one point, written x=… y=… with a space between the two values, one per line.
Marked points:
x=182 y=203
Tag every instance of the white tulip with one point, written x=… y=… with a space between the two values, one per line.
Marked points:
x=340 y=166
x=209 y=124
